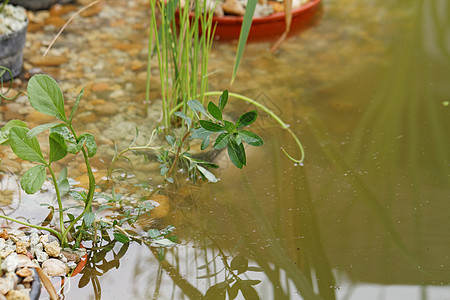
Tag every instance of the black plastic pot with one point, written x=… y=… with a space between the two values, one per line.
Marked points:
x=11 y=51
x=34 y=4
x=35 y=292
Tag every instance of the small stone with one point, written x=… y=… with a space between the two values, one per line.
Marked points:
x=24 y=261
x=10 y=263
x=21 y=247
x=43 y=238
x=5 y=253
x=24 y=272
x=71 y=256
x=34 y=239
x=100 y=86
x=38 y=117
x=107 y=109
x=17 y=295
x=6 y=285
x=55 y=21
x=53 y=249
x=233 y=7
x=41 y=256
x=49 y=60
x=28 y=279
x=4 y=234
x=54 y=267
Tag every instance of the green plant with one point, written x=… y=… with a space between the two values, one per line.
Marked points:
x=230 y=134
x=45 y=96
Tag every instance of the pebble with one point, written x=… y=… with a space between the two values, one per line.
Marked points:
x=18 y=295
x=24 y=272
x=54 y=267
x=10 y=263
x=53 y=249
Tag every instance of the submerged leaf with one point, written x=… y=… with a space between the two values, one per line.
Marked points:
x=210 y=176
x=223 y=100
x=211 y=126
x=222 y=140
x=250 y=138
x=215 y=111
x=247 y=119
x=120 y=237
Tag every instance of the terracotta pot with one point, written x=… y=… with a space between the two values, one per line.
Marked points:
x=11 y=51
x=264 y=28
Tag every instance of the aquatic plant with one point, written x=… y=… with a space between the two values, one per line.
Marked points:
x=46 y=97
x=230 y=134
x=182 y=51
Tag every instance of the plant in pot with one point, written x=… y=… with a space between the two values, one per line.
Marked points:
x=13 y=28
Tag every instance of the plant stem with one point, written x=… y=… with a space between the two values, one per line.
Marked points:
x=56 y=233
x=58 y=197
x=90 y=195
x=177 y=155
x=270 y=113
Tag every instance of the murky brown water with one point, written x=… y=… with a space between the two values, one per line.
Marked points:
x=366 y=89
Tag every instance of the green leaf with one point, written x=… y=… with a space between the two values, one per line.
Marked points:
x=239 y=263
x=41 y=128
x=247 y=119
x=200 y=133
x=184 y=117
x=63 y=183
x=170 y=139
x=24 y=148
x=223 y=100
x=205 y=143
x=210 y=126
x=75 y=106
x=4 y=132
x=120 y=237
x=33 y=179
x=46 y=96
x=165 y=242
x=243 y=36
x=58 y=147
x=64 y=132
x=210 y=176
x=214 y=111
x=230 y=127
x=222 y=140
x=89 y=218
x=197 y=107
x=153 y=233
x=236 y=153
x=250 y=138
x=89 y=140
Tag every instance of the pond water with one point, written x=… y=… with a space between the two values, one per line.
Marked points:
x=366 y=217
